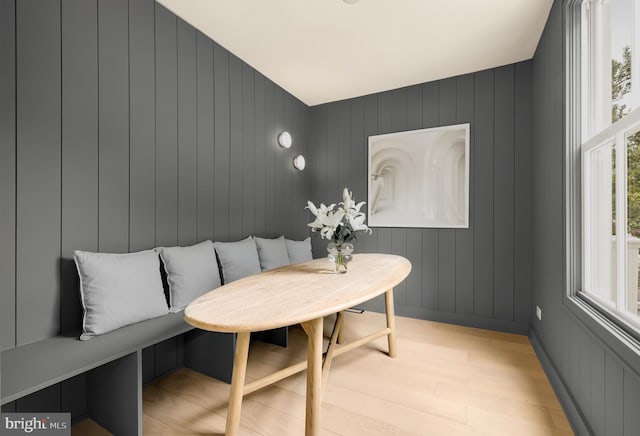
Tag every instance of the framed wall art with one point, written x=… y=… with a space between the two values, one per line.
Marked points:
x=420 y=178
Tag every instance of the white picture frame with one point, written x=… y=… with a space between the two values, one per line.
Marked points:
x=419 y=178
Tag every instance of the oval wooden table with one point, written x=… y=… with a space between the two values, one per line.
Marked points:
x=301 y=293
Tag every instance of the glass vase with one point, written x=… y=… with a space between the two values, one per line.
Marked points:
x=340 y=255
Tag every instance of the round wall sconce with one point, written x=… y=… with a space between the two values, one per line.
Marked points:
x=284 y=139
x=299 y=163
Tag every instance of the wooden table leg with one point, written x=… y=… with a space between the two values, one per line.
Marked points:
x=391 y=323
x=328 y=357
x=314 y=330
x=237 y=383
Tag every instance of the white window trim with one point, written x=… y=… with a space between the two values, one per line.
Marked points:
x=613 y=331
x=617 y=134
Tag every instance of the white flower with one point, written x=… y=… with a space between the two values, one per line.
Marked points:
x=347 y=200
x=359 y=205
x=347 y=218
x=312 y=207
x=330 y=223
x=357 y=223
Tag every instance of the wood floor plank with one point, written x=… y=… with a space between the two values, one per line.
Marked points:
x=447 y=380
x=88 y=427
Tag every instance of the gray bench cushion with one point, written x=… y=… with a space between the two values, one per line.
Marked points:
x=118 y=289
x=272 y=252
x=191 y=272
x=299 y=251
x=238 y=259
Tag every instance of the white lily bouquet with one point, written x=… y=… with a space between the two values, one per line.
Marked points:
x=339 y=225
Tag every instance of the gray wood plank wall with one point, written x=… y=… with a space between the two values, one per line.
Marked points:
x=462 y=275
x=124 y=129
x=600 y=374
x=7 y=173
x=161 y=136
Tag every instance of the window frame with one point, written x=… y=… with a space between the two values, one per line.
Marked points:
x=615 y=333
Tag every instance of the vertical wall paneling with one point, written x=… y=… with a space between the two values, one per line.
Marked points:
x=631 y=402
x=368 y=243
x=235 y=157
x=280 y=155
x=597 y=388
x=385 y=125
x=464 y=237
x=343 y=159
x=260 y=156
x=483 y=194
x=430 y=267
x=187 y=134
x=447 y=237
x=614 y=397
x=359 y=156
x=332 y=183
x=7 y=175
x=504 y=193
x=399 y=123
x=583 y=366
x=142 y=122
x=600 y=375
x=270 y=149
x=116 y=120
x=221 y=137
x=205 y=135
x=287 y=166
x=522 y=203
x=38 y=174
x=414 y=236
x=166 y=128
x=248 y=146
x=79 y=148
x=453 y=269
x=359 y=151
x=113 y=126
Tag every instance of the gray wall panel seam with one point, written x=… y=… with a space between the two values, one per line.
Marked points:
x=129 y=214
x=155 y=127
x=230 y=145
x=513 y=169
x=15 y=175
x=197 y=142
x=177 y=138
x=98 y=124
x=61 y=275
x=493 y=203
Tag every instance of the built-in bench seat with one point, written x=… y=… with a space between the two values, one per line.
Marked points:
x=35 y=366
x=111 y=366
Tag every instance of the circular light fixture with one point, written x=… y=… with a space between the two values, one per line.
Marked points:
x=351 y=2
x=285 y=140
x=299 y=162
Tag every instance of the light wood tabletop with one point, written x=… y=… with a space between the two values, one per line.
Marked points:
x=295 y=293
x=302 y=293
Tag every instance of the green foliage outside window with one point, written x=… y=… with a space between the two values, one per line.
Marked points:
x=620 y=86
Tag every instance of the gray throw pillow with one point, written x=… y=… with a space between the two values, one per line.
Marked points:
x=118 y=290
x=272 y=252
x=191 y=272
x=238 y=259
x=299 y=251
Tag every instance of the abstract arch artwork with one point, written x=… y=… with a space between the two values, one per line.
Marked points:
x=420 y=178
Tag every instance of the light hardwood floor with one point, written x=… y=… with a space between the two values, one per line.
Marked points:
x=446 y=380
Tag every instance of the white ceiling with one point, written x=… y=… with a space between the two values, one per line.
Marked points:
x=326 y=50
